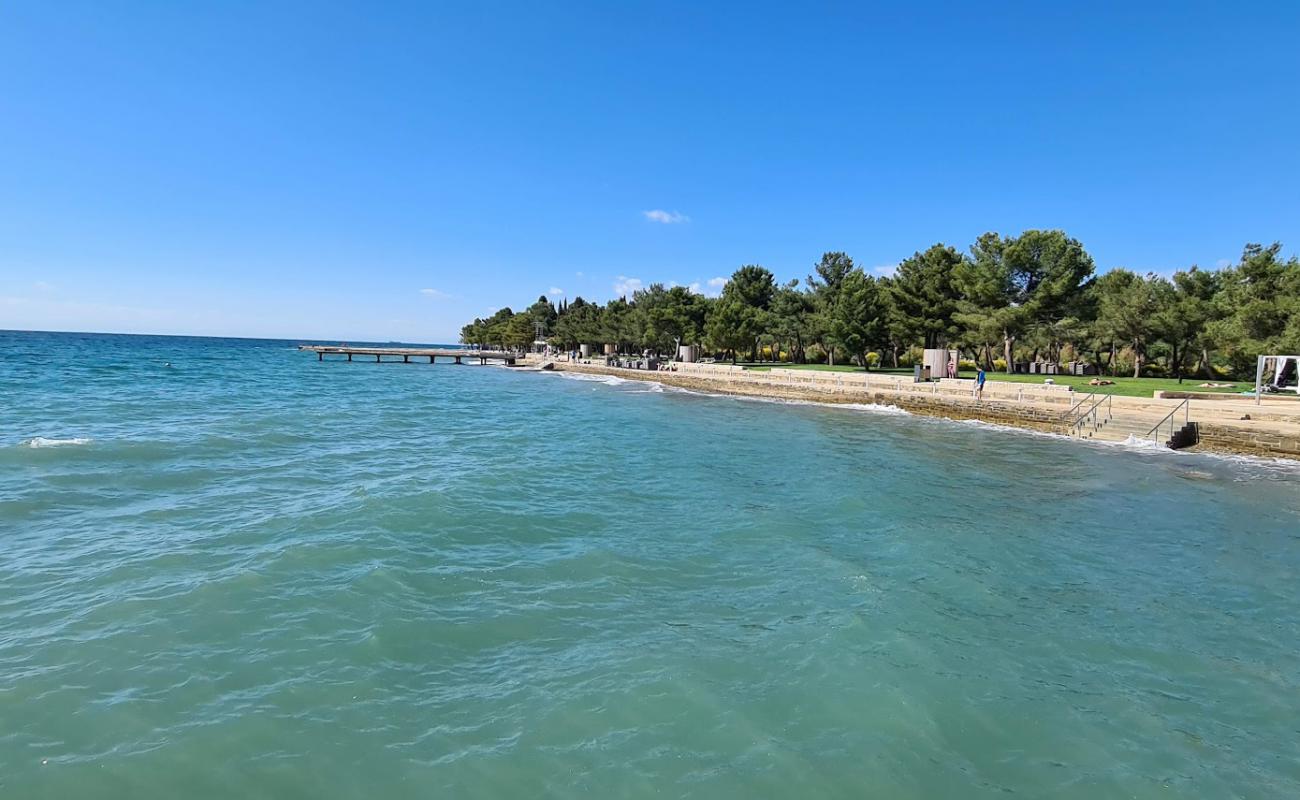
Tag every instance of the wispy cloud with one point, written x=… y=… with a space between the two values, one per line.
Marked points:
x=710 y=288
x=435 y=294
x=665 y=217
x=556 y=291
x=625 y=286
x=887 y=270
x=1223 y=263
x=43 y=286
x=579 y=274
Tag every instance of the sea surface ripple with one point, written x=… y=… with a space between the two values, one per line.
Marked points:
x=250 y=574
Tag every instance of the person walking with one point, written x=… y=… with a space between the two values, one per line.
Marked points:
x=979 y=385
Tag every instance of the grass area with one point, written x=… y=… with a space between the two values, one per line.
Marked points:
x=1131 y=387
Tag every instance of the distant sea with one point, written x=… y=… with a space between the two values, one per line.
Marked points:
x=250 y=574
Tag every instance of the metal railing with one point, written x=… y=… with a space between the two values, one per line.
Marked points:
x=1069 y=412
x=1092 y=415
x=1185 y=407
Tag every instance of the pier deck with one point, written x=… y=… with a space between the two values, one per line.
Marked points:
x=407 y=353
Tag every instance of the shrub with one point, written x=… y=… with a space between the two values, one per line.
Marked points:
x=1000 y=365
x=1124 y=362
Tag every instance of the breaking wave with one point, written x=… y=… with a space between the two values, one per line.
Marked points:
x=41 y=441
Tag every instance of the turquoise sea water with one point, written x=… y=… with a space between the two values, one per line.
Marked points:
x=254 y=575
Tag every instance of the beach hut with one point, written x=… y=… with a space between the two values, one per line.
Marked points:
x=939 y=363
x=1271 y=372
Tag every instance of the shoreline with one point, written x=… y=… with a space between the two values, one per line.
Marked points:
x=1216 y=433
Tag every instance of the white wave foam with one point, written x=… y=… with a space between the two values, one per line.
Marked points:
x=876 y=408
x=41 y=441
x=608 y=380
x=1131 y=443
x=997 y=426
x=1135 y=443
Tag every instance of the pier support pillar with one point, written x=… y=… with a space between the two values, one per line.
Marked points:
x=320 y=356
x=457 y=359
x=431 y=359
x=377 y=357
x=406 y=359
x=349 y=356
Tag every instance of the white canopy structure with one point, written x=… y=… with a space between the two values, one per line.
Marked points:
x=1271 y=370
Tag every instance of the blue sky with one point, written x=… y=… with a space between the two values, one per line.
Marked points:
x=391 y=170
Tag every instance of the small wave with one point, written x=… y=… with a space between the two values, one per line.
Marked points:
x=998 y=426
x=878 y=408
x=611 y=380
x=608 y=380
x=1135 y=443
x=41 y=441
x=875 y=408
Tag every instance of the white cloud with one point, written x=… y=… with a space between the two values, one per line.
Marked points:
x=710 y=288
x=625 y=286
x=435 y=294
x=1223 y=263
x=665 y=217
x=578 y=275
x=43 y=286
x=887 y=270
x=555 y=291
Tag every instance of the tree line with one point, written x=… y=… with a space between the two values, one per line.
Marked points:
x=1007 y=299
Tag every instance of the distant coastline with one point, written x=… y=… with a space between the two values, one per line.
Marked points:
x=1272 y=431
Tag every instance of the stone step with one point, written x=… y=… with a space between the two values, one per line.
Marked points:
x=1122 y=428
x=1119 y=428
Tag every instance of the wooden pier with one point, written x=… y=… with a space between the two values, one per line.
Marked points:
x=391 y=354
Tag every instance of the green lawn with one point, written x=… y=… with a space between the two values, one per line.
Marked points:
x=1132 y=387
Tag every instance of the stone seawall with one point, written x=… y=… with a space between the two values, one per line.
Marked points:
x=1047 y=418
x=1247 y=441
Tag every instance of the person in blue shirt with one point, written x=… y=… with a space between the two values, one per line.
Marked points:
x=979 y=384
